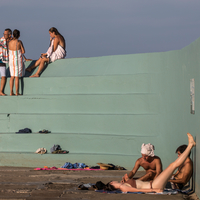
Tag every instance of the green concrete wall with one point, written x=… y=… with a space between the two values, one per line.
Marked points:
x=102 y=109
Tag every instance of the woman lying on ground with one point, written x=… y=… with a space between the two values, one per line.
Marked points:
x=55 y=51
x=159 y=183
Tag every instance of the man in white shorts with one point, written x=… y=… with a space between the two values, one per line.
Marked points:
x=7 y=36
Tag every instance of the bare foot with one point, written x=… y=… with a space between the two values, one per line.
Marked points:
x=12 y=94
x=191 y=140
x=35 y=75
x=2 y=94
x=28 y=69
x=17 y=94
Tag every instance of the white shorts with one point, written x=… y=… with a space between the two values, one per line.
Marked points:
x=2 y=71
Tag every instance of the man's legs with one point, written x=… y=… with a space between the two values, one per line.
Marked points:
x=3 y=78
x=161 y=180
x=3 y=82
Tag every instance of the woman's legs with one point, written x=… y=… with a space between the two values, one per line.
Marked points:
x=161 y=180
x=11 y=85
x=37 y=63
x=41 y=67
x=17 y=85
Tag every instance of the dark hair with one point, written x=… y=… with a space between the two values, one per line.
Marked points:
x=182 y=148
x=53 y=29
x=16 y=33
x=9 y=31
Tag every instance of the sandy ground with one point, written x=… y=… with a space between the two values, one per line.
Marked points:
x=26 y=183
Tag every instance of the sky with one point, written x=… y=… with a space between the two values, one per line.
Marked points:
x=95 y=28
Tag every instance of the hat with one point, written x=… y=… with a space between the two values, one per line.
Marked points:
x=147 y=149
x=104 y=166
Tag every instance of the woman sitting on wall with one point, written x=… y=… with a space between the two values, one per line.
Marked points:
x=55 y=51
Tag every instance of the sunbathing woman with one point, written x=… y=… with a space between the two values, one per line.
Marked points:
x=159 y=183
x=55 y=51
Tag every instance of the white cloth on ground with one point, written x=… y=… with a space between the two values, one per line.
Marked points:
x=147 y=149
x=59 y=53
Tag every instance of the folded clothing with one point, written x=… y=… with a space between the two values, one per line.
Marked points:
x=60 y=152
x=55 y=148
x=25 y=130
x=44 y=131
x=69 y=165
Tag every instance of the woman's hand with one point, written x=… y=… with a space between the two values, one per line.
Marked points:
x=28 y=59
x=43 y=55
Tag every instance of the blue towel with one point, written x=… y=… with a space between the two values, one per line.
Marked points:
x=69 y=165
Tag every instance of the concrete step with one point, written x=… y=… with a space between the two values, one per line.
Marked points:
x=18 y=149
x=119 y=124
x=120 y=84
x=77 y=143
x=145 y=103
x=58 y=160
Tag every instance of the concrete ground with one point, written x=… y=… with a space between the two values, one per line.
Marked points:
x=26 y=183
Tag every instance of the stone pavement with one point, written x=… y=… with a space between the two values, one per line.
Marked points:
x=26 y=183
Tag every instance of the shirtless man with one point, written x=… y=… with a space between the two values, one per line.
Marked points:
x=151 y=163
x=184 y=172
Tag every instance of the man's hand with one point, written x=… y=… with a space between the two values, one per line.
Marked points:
x=125 y=178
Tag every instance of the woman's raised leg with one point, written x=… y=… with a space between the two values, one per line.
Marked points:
x=162 y=179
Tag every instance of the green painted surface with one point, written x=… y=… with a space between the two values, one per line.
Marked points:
x=102 y=109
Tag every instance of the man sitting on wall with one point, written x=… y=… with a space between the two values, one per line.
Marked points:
x=184 y=172
x=151 y=163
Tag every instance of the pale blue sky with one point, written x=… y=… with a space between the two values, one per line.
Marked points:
x=103 y=27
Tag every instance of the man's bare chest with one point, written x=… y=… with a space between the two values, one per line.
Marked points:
x=147 y=165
